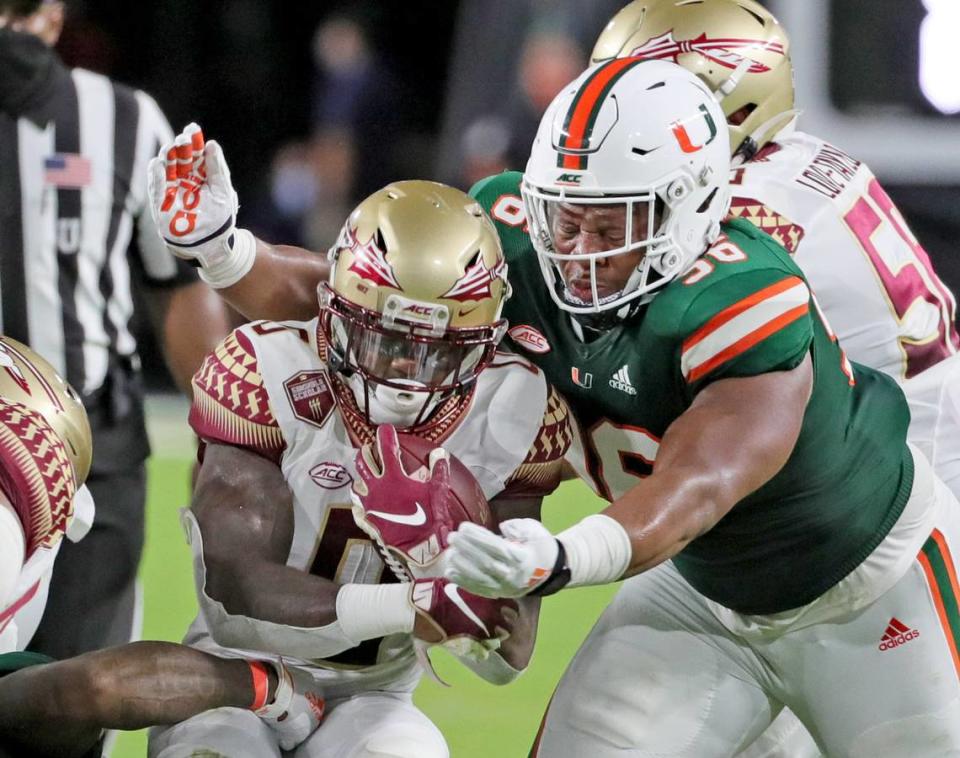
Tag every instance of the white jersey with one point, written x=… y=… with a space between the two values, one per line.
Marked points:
x=268 y=389
x=870 y=276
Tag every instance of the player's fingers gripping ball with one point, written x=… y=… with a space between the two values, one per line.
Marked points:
x=511 y=565
x=409 y=496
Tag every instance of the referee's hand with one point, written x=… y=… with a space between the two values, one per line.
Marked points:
x=194 y=207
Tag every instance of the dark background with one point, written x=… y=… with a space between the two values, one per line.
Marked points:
x=441 y=78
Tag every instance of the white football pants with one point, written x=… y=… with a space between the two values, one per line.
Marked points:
x=871 y=668
x=367 y=725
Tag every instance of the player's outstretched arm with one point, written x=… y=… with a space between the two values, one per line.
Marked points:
x=737 y=435
x=194 y=207
x=281 y=285
x=60 y=708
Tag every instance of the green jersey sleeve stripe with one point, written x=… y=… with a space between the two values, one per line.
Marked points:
x=742 y=325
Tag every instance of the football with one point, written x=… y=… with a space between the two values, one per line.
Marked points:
x=471 y=502
x=412 y=541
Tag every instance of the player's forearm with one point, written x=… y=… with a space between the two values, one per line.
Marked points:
x=282 y=285
x=193 y=324
x=667 y=511
x=272 y=592
x=127 y=687
x=517 y=649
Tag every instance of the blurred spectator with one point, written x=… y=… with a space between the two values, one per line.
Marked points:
x=311 y=189
x=485 y=148
x=540 y=46
x=356 y=95
x=550 y=60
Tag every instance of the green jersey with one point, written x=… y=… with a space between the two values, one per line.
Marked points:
x=743 y=309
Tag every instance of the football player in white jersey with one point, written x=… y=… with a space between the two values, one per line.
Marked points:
x=871 y=277
x=406 y=336
x=45 y=451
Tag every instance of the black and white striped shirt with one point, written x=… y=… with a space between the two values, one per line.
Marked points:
x=74 y=148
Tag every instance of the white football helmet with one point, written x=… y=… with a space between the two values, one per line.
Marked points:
x=630 y=132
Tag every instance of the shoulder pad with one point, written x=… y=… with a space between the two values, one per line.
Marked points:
x=230 y=402
x=541 y=471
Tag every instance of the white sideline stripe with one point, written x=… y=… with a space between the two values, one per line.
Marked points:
x=736 y=329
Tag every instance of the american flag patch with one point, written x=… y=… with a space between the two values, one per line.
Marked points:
x=68 y=170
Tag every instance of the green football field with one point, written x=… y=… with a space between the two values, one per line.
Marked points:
x=478 y=719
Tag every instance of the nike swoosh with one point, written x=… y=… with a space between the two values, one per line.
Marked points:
x=416 y=518
x=453 y=592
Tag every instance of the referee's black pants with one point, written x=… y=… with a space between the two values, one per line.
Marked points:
x=92 y=597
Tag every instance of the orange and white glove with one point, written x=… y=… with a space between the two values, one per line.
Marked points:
x=194 y=207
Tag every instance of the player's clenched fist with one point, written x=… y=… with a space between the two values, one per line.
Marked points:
x=194 y=207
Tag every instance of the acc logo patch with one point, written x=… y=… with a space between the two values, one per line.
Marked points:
x=529 y=338
x=310 y=396
x=330 y=475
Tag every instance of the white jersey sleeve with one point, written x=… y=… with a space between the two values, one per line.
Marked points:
x=871 y=277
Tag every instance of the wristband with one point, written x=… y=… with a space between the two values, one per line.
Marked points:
x=368 y=611
x=559 y=577
x=261 y=682
x=598 y=550
x=230 y=268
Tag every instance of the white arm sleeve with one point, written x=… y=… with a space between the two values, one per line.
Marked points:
x=13 y=545
x=248 y=633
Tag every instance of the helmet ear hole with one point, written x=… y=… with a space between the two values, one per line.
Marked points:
x=706 y=203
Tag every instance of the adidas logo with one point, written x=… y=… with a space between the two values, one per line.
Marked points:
x=897 y=634
x=621 y=381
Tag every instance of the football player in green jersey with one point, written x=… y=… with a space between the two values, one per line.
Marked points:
x=811 y=549
x=784 y=545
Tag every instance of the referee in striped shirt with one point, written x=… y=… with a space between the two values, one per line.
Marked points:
x=75 y=229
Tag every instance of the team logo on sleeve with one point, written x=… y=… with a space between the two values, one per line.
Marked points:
x=528 y=338
x=310 y=396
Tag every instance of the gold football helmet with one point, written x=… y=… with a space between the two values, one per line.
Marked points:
x=412 y=309
x=736 y=46
x=28 y=379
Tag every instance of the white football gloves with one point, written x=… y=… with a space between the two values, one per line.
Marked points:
x=513 y=565
x=194 y=207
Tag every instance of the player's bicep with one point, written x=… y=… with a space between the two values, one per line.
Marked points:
x=245 y=513
x=738 y=433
